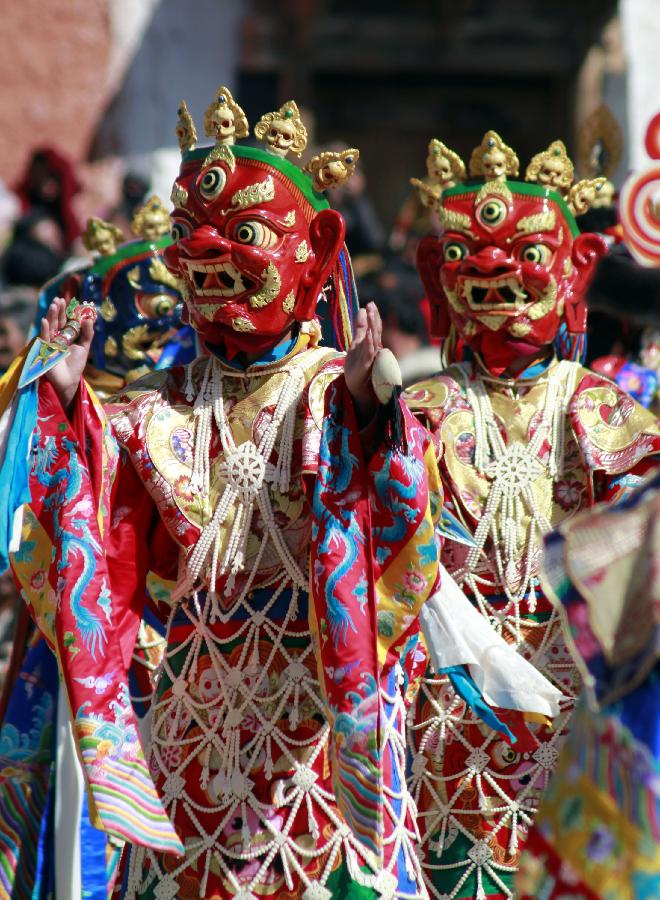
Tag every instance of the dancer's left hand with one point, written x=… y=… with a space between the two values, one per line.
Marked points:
x=360 y=359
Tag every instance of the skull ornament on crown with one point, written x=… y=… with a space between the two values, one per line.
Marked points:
x=510 y=265
x=256 y=243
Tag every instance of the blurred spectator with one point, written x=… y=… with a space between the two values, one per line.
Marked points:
x=133 y=191
x=36 y=250
x=365 y=235
x=606 y=334
x=413 y=222
x=602 y=219
x=17 y=313
x=49 y=184
x=627 y=294
x=624 y=288
x=397 y=292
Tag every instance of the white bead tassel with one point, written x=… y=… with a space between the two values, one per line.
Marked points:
x=283 y=468
x=213 y=577
x=502 y=519
x=188 y=387
x=200 y=478
x=481 y=448
x=209 y=406
x=210 y=532
x=289 y=563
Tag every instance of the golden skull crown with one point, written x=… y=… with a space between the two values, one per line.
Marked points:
x=495 y=161
x=281 y=131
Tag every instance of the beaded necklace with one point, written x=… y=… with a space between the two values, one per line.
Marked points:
x=512 y=469
x=247 y=471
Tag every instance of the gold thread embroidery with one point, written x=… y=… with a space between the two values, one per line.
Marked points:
x=253 y=194
x=302 y=252
x=544 y=221
x=269 y=289
x=179 y=195
x=108 y=310
x=242 y=324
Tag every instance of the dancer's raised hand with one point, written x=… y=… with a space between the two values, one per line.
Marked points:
x=360 y=359
x=65 y=376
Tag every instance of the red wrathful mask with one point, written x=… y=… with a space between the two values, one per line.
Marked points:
x=508 y=268
x=251 y=251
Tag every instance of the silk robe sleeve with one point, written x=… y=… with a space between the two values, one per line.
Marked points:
x=619 y=440
x=374 y=561
x=87 y=500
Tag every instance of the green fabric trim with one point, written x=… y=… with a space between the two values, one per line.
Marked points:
x=301 y=179
x=127 y=251
x=526 y=188
x=342 y=887
x=445 y=880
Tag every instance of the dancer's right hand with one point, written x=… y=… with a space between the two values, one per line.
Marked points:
x=65 y=376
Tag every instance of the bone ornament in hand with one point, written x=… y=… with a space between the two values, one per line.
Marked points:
x=385 y=375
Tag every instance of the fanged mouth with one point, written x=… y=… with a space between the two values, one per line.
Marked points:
x=495 y=294
x=217 y=279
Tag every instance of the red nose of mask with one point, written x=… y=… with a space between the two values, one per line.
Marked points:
x=490 y=262
x=204 y=241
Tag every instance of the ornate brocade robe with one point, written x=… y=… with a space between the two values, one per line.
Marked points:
x=519 y=458
x=277 y=744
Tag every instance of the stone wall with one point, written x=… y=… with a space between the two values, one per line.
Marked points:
x=53 y=77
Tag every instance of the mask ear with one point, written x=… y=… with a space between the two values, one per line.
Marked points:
x=326 y=236
x=587 y=249
x=429 y=262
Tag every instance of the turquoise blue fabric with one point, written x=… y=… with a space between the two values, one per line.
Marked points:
x=467 y=690
x=14 y=472
x=449 y=527
x=407 y=886
x=179 y=350
x=92 y=853
x=536 y=369
x=27 y=745
x=269 y=356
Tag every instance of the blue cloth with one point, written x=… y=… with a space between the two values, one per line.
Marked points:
x=271 y=355
x=92 y=854
x=536 y=369
x=179 y=350
x=407 y=885
x=639 y=711
x=15 y=469
x=468 y=691
x=27 y=744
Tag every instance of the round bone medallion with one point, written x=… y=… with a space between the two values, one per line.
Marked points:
x=514 y=470
x=245 y=470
